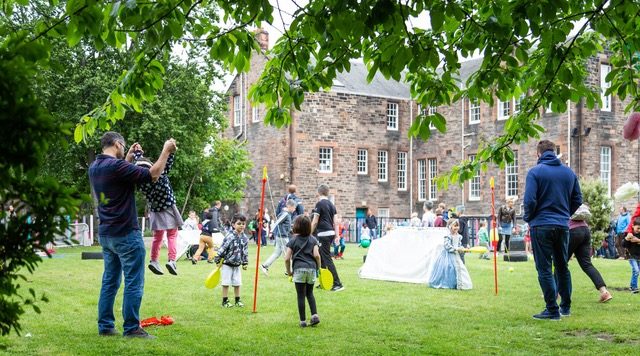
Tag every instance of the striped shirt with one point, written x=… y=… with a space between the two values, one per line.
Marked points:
x=114 y=181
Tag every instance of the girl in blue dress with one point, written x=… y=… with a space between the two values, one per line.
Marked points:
x=449 y=271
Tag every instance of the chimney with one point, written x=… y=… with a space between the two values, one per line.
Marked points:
x=262 y=36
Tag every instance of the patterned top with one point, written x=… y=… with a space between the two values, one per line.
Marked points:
x=234 y=250
x=112 y=180
x=452 y=243
x=159 y=194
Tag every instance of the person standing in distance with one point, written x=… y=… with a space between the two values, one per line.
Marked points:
x=113 y=178
x=552 y=194
x=324 y=225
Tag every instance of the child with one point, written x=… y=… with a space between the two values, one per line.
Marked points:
x=205 y=240
x=483 y=238
x=163 y=214
x=415 y=220
x=632 y=244
x=304 y=254
x=192 y=222
x=448 y=270
x=338 y=244
x=235 y=253
x=365 y=234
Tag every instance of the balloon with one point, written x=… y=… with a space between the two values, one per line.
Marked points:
x=365 y=243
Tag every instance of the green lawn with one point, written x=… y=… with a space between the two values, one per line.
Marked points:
x=369 y=317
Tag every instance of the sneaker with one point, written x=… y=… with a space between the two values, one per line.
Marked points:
x=337 y=288
x=109 y=332
x=264 y=270
x=172 y=268
x=605 y=297
x=318 y=287
x=139 y=333
x=565 y=312
x=239 y=304
x=193 y=261
x=634 y=290
x=210 y=261
x=227 y=304
x=546 y=315
x=154 y=266
x=303 y=324
x=315 y=320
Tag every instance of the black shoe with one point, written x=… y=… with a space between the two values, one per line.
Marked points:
x=546 y=315
x=337 y=288
x=140 y=333
x=109 y=332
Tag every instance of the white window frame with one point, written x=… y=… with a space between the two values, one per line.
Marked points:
x=605 y=167
x=237 y=111
x=517 y=104
x=363 y=164
x=402 y=171
x=422 y=179
x=325 y=159
x=383 y=213
x=474 y=183
x=433 y=173
x=255 y=114
x=383 y=166
x=474 y=112
x=605 y=69
x=392 y=116
x=504 y=109
x=511 y=177
x=429 y=110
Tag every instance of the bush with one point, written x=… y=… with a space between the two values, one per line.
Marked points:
x=595 y=195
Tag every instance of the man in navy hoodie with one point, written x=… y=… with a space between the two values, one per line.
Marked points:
x=552 y=194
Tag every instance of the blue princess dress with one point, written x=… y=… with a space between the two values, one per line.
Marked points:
x=448 y=270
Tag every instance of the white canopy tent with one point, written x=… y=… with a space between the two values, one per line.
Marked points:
x=405 y=254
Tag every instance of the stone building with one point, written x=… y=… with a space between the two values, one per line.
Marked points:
x=354 y=138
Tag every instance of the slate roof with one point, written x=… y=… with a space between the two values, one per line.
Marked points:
x=355 y=81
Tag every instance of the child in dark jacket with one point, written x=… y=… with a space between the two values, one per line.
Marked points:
x=303 y=256
x=632 y=244
x=233 y=253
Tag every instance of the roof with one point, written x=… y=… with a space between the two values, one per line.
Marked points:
x=355 y=81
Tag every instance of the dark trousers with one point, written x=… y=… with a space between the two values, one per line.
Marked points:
x=304 y=290
x=619 y=248
x=580 y=245
x=325 y=258
x=550 y=245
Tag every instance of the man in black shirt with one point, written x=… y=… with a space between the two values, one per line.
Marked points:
x=324 y=226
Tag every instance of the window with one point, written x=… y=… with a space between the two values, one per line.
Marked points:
x=255 y=114
x=402 y=170
x=604 y=85
x=236 y=110
x=503 y=109
x=383 y=213
x=474 y=183
x=605 y=167
x=326 y=159
x=511 y=177
x=517 y=104
x=430 y=110
x=422 y=180
x=433 y=172
x=392 y=116
x=382 y=166
x=474 y=111
x=362 y=161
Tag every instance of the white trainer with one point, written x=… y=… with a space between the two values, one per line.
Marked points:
x=172 y=268
x=154 y=266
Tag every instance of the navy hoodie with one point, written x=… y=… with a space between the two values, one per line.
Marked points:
x=552 y=193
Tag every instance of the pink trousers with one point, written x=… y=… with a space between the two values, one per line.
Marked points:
x=172 y=235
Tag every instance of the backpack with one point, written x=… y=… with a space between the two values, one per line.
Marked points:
x=283 y=203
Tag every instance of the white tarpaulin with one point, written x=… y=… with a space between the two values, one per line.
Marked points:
x=187 y=238
x=405 y=254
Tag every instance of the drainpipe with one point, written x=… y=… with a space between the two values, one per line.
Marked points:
x=241 y=128
x=410 y=163
x=243 y=107
x=462 y=145
x=291 y=150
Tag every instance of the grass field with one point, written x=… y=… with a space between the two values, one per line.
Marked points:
x=369 y=317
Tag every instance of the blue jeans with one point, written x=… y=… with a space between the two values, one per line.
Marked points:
x=372 y=234
x=550 y=244
x=339 y=247
x=122 y=254
x=635 y=270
